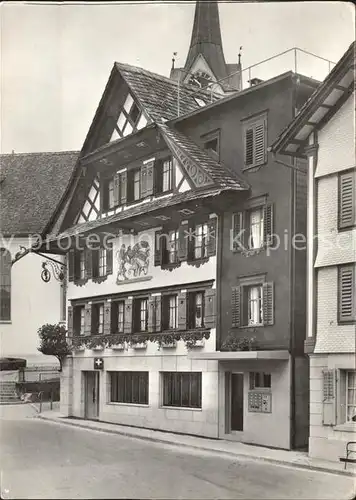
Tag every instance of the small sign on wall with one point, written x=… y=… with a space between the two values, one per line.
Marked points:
x=98 y=364
x=260 y=402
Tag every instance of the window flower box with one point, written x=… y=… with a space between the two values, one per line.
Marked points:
x=198 y=343
x=139 y=345
x=79 y=348
x=97 y=348
x=169 y=344
x=118 y=347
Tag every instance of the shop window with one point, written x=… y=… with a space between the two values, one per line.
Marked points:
x=129 y=387
x=182 y=389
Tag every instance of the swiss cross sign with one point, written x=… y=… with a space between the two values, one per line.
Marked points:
x=98 y=364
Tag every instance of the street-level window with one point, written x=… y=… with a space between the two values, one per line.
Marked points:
x=182 y=389
x=260 y=380
x=351 y=396
x=129 y=387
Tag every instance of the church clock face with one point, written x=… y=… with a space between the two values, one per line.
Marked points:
x=200 y=79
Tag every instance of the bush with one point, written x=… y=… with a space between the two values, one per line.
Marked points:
x=53 y=342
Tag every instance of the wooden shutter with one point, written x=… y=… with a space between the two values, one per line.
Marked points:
x=329 y=397
x=210 y=308
x=123 y=188
x=236 y=306
x=260 y=143
x=268 y=304
x=158 y=176
x=211 y=245
x=109 y=259
x=249 y=146
x=183 y=242
x=71 y=265
x=347 y=292
x=117 y=189
x=268 y=223
x=128 y=316
x=70 y=321
x=89 y=259
x=149 y=178
x=347 y=200
x=158 y=251
x=237 y=227
x=88 y=319
x=107 y=318
x=182 y=311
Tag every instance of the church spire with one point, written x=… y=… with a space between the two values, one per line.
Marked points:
x=206 y=39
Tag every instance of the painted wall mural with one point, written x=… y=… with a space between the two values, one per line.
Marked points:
x=133 y=261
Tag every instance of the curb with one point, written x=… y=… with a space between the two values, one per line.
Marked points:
x=12 y=403
x=202 y=448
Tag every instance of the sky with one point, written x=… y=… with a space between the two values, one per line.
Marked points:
x=56 y=58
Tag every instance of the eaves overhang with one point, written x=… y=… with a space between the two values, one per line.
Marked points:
x=281 y=355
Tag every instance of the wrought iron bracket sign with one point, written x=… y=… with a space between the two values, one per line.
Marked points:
x=57 y=270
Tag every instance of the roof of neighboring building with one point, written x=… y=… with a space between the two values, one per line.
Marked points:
x=321 y=105
x=32 y=185
x=160 y=96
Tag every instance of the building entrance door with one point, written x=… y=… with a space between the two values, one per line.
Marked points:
x=237 y=402
x=92 y=395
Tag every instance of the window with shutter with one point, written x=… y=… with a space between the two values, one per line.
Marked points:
x=182 y=311
x=347 y=293
x=347 y=200
x=237 y=232
x=268 y=223
x=211 y=243
x=109 y=259
x=210 y=308
x=268 y=304
x=255 y=139
x=107 y=318
x=71 y=263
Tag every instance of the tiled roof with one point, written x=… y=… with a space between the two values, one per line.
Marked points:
x=220 y=174
x=143 y=208
x=32 y=185
x=159 y=94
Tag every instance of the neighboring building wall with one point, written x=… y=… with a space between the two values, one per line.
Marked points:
x=33 y=303
x=335 y=343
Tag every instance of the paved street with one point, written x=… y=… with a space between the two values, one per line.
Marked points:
x=41 y=459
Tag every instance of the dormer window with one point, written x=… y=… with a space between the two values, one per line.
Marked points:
x=130 y=119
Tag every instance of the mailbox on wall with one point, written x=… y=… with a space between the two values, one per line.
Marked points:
x=260 y=402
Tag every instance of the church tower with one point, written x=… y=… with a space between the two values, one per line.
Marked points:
x=205 y=61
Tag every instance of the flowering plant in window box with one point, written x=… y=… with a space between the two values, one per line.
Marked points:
x=194 y=338
x=235 y=343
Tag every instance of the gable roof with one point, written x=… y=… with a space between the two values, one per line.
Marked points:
x=32 y=186
x=159 y=95
x=216 y=172
x=321 y=105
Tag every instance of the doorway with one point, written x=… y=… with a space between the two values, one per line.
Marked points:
x=237 y=402
x=91 y=408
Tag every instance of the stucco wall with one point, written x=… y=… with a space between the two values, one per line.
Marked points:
x=156 y=277
x=33 y=303
x=268 y=429
x=191 y=421
x=337 y=141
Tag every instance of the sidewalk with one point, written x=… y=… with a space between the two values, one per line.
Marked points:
x=234 y=449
